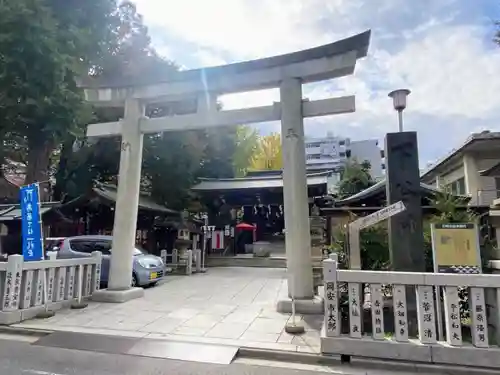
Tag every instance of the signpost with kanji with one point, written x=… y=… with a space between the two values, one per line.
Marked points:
x=365 y=222
x=31 y=223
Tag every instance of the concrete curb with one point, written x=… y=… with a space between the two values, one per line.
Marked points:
x=25 y=331
x=357 y=362
x=311 y=358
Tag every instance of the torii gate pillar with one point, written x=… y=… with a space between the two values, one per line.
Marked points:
x=297 y=232
x=288 y=72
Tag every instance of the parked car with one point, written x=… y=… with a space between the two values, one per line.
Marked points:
x=147 y=269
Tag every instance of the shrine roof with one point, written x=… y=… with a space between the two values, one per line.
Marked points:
x=254 y=182
x=10 y=212
x=379 y=188
x=109 y=192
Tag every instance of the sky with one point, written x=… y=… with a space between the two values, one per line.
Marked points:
x=442 y=50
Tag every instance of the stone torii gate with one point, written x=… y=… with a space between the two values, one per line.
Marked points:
x=288 y=72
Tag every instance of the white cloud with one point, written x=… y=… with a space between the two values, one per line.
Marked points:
x=448 y=66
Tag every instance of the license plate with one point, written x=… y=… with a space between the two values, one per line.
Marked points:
x=153 y=275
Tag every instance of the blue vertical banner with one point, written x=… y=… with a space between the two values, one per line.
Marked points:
x=31 y=223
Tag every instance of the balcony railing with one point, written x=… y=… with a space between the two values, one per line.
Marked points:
x=484 y=197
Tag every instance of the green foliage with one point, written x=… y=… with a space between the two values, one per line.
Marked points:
x=220 y=147
x=373 y=244
x=374 y=240
x=169 y=160
x=170 y=163
x=355 y=178
x=45 y=45
x=247 y=140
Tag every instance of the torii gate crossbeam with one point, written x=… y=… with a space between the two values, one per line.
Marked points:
x=288 y=73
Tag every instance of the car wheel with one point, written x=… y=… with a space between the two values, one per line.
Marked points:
x=135 y=282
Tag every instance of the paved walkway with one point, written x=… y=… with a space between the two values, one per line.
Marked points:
x=232 y=306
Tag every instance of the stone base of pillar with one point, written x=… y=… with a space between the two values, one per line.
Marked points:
x=311 y=306
x=117 y=296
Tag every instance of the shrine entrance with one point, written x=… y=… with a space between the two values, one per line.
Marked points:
x=203 y=87
x=247 y=211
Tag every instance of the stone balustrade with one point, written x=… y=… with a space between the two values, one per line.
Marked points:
x=185 y=260
x=28 y=287
x=455 y=347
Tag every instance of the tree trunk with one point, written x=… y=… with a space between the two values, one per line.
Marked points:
x=62 y=173
x=38 y=167
x=8 y=191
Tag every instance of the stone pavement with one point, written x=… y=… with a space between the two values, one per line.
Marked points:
x=231 y=306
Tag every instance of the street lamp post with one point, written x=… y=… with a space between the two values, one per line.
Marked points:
x=399 y=102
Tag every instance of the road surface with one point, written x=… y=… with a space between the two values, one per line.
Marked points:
x=23 y=358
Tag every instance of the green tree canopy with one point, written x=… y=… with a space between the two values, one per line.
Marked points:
x=355 y=178
x=45 y=45
x=44 y=115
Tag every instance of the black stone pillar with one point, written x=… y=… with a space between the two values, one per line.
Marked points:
x=406 y=242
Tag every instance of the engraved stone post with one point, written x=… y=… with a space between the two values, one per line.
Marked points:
x=426 y=316
x=88 y=280
x=479 y=320
x=355 y=309
x=377 y=299
x=12 y=285
x=38 y=285
x=400 y=313
x=406 y=241
x=96 y=281
x=70 y=292
x=331 y=319
x=452 y=316
x=27 y=296
x=60 y=283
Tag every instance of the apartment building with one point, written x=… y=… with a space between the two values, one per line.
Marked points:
x=472 y=169
x=331 y=153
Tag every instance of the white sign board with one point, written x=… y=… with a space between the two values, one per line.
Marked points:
x=365 y=222
x=379 y=216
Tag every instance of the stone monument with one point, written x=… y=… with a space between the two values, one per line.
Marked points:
x=406 y=241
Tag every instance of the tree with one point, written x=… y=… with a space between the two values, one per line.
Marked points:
x=246 y=147
x=126 y=56
x=356 y=177
x=44 y=114
x=220 y=148
x=268 y=153
x=40 y=100
x=496 y=37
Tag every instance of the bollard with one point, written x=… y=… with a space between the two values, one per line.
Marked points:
x=197 y=260
x=175 y=258
x=292 y=327
x=189 y=262
x=163 y=256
